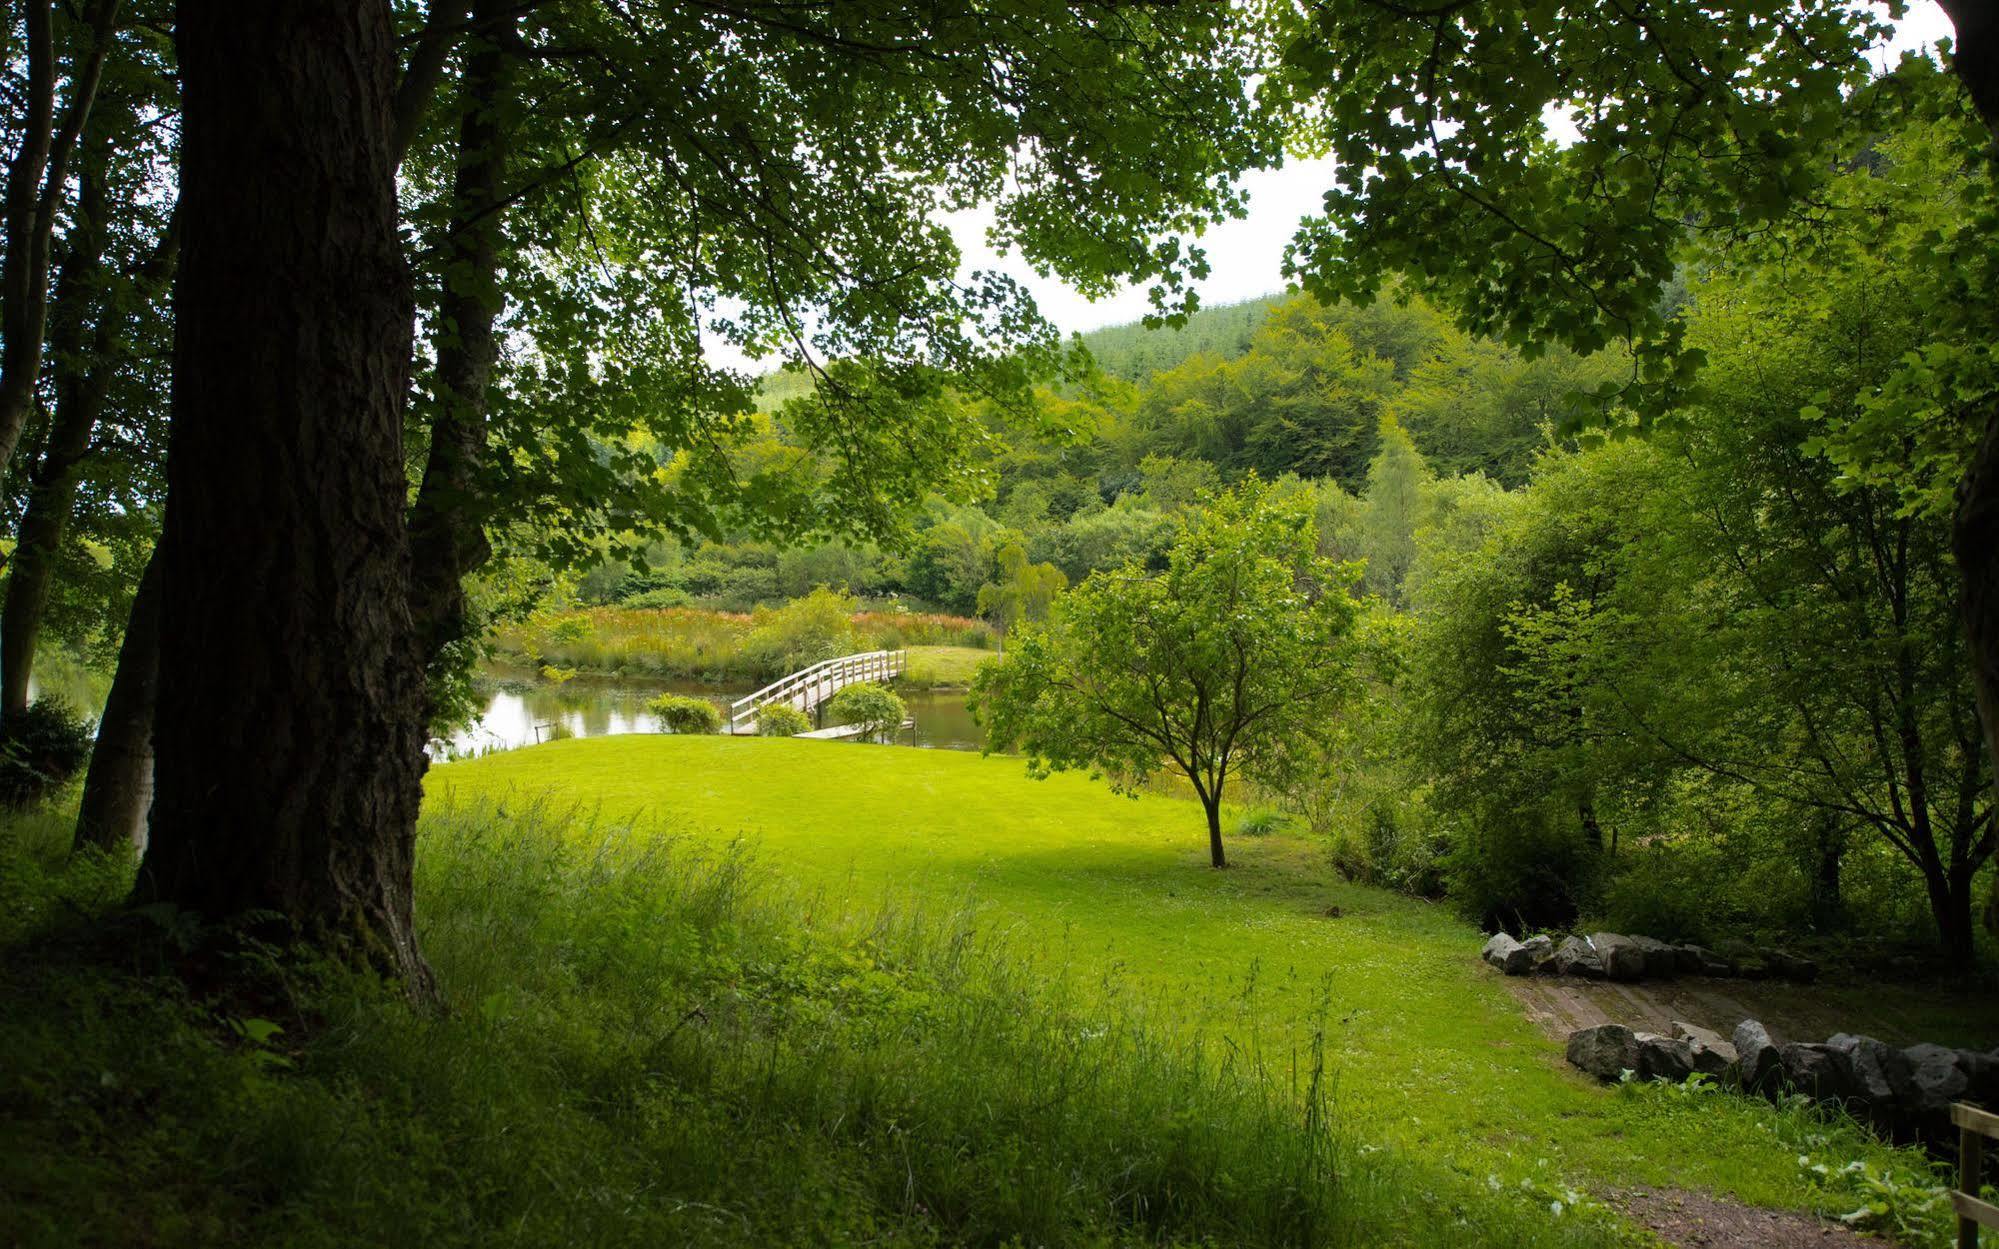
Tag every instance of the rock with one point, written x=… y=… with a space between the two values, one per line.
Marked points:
x=1499 y=949
x=1981 y=1077
x=1664 y=1058
x=1712 y=1055
x=1787 y=966
x=1758 y=1063
x=1862 y=1064
x=1661 y=960
x=1606 y=1051
x=1935 y=1080
x=1575 y=957
x=1809 y=1068
x=1698 y=960
x=1540 y=948
x=1687 y=960
x=1622 y=957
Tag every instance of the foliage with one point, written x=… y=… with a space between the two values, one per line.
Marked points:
x=1023 y=592
x=802 y=632
x=42 y=748
x=875 y=709
x=782 y=720
x=680 y=713
x=1212 y=667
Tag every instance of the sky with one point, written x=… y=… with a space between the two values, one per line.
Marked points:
x=1247 y=255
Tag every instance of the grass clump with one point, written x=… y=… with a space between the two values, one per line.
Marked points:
x=648 y=1044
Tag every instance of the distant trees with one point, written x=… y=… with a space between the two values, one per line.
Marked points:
x=1237 y=651
x=1022 y=592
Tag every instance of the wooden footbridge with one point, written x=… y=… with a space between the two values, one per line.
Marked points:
x=808 y=688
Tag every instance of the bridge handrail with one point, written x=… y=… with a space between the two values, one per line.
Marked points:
x=763 y=695
x=890 y=663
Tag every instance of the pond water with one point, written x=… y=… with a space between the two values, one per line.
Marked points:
x=521 y=710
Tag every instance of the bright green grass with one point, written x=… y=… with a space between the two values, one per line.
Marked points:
x=944 y=667
x=1432 y=1056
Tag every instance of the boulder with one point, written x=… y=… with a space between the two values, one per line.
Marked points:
x=1500 y=948
x=1664 y=1058
x=1661 y=960
x=1606 y=1051
x=1623 y=959
x=1698 y=960
x=1540 y=949
x=1935 y=1080
x=1862 y=1065
x=1576 y=957
x=1809 y=1068
x=1981 y=1077
x=1712 y=1055
x=1758 y=1063
x=1787 y=966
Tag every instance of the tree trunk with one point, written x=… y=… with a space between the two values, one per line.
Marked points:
x=1828 y=857
x=447 y=529
x=1213 y=806
x=1950 y=909
x=118 y=788
x=1975 y=534
x=289 y=734
x=35 y=181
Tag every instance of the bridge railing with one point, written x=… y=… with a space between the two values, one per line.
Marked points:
x=806 y=688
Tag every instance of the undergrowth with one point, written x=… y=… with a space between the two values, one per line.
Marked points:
x=652 y=1044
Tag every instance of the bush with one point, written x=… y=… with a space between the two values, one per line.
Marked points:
x=781 y=720
x=41 y=750
x=1261 y=821
x=679 y=713
x=801 y=633
x=663 y=596
x=874 y=708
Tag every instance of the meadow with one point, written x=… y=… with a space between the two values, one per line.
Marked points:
x=1428 y=1055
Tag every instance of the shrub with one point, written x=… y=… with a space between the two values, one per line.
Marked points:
x=679 y=713
x=41 y=749
x=874 y=708
x=1261 y=821
x=802 y=632
x=781 y=720
x=662 y=596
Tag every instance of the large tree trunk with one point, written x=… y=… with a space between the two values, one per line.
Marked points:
x=1975 y=537
x=35 y=181
x=1213 y=807
x=118 y=788
x=447 y=530
x=290 y=730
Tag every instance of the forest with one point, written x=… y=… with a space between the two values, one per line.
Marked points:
x=571 y=672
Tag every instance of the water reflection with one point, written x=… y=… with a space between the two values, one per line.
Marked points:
x=521 y=711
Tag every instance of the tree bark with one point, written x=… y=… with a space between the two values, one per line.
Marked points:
x=118 y=788
x=1828 y=859
x=35 y=181
x=1975 y=533
x=447 y=530
x=289 y=734
x=1213 y=806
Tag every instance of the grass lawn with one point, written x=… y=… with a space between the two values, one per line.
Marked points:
x=1434 y=1059
x=944 y=667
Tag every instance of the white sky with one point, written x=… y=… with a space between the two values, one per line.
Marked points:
x=1246 y=256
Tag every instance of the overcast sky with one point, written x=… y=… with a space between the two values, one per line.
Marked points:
x=1247 y=256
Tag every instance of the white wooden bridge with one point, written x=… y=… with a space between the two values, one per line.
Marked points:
x=808 y=688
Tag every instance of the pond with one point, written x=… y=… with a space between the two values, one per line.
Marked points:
x=521 y=711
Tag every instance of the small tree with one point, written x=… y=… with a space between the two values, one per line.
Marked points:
x=1222 y=665
x=875 y=709
x=1023 y=593
x=679 y=713
x=781 y=720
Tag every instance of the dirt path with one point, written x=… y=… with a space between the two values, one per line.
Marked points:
x=1698 y=1221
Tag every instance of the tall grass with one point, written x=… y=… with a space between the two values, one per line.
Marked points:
x=652 y=1044
x=699 y=644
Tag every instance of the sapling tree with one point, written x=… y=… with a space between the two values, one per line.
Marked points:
x=1023 y=593
x=1220 y=666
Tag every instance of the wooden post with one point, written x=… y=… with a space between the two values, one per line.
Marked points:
x=1973 y=1126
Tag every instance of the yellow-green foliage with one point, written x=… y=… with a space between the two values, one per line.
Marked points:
x=680 y=713
x=874 y=709
x=781 y=720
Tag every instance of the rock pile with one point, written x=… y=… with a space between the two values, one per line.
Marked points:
x=1614 y=956
x=1907 y=1092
